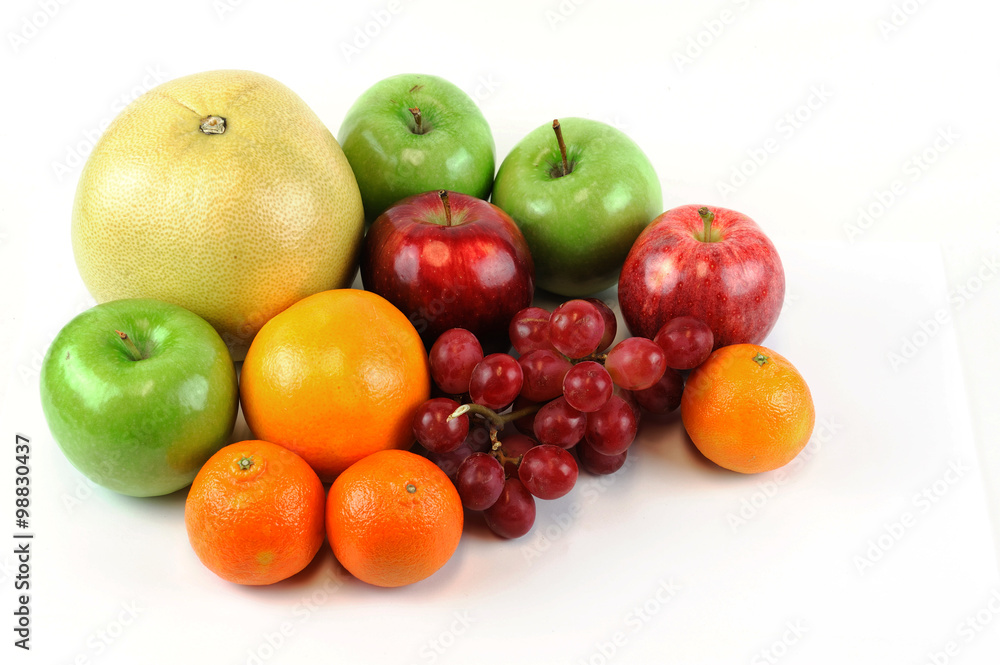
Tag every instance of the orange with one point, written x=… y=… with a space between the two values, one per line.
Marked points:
x=747 y=409
x=335 y=377
x=393 y=518
x=254 y=513
x=222 y=192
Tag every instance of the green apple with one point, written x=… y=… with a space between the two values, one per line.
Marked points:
x=581 y=191
x=139 y=394
x=413 y=133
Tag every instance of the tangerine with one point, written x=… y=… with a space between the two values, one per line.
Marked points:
x=335 y=377
x=254 y=513
x=748 y=409
x=393 y=518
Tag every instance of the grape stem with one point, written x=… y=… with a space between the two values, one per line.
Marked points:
x=595 y=357
x=496 y=422
x=492 y=416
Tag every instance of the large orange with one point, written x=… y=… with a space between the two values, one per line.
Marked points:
x=747 y=409
x=254 y=513
x=335 y=377
x=393 y=518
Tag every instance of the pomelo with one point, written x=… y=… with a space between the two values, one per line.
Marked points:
x=221 y=192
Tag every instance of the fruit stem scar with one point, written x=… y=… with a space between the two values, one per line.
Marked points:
x=760 y=359
x=130 y=346
x=411 y=488
x=418 y=122
x=245 y=463
x=447 y=206
x=213 y=124
x=557 y=128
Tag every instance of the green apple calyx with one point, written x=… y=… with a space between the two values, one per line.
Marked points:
x=130 y=346
x=566 y=168
x=708 y=234
x=418 y=121
x=213 y=124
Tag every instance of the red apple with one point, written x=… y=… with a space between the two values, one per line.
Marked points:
x=711 y=263
x=448 y=260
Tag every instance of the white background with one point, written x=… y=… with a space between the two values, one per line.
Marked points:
x=845 y=100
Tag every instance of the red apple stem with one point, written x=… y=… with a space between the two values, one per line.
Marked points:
x=708 y=234
x=557 y=128
x=447 y=206
x=130 y=346
x=417 y=121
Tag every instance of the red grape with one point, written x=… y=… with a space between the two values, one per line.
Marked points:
x=576 y=328
x=544 y=371
x=686 y=342
x=587 y=386
x=452 y=358
x=663 y=396
x=598 y=464
x=496 y=381
x=529 y=330
x=559 y=424
x=610 y=323
x=635 y=363
x=513 y=514
x=612 y=428
x=479 y=481
x=548 y=472
x=515 y=445
x=433 y=429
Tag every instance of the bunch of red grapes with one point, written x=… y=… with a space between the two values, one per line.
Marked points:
x=568 y=390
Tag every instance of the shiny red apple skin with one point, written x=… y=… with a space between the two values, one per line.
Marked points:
x=476 y=273
x=736 y=285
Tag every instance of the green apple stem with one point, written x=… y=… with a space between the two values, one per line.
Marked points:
x=562 y=147
x=418 y=121
x=708 y=234
x=130 y=346
x=447 y=206
x=213 y=124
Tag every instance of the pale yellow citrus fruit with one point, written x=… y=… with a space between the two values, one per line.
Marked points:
x=221 y=192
